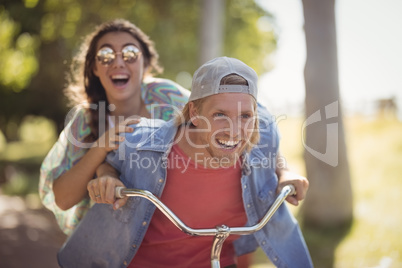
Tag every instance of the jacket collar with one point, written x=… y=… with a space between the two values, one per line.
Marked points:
x=160 y=140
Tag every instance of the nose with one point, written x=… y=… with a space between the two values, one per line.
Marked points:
x=118 y=61
x=233 y=128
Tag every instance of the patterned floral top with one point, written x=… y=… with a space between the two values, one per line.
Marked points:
x=162 y=98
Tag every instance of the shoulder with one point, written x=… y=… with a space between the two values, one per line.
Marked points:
x=160 y=90
x=267 y=123
x=155 y=83
x=269 y=133
x=78 y=115
x=146 y=129
x=148 y=125
x=77 y=123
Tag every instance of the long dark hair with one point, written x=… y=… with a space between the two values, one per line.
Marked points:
x=85 y=87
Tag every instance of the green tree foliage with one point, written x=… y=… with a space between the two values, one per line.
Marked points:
x=18 y=54
x=38 y=39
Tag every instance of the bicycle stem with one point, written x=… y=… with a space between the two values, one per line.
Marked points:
x=220 y=237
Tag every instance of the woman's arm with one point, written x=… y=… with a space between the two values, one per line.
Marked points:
x=71 y=187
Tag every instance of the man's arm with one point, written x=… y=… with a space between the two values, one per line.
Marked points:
x=102 y=189
x=286 y=177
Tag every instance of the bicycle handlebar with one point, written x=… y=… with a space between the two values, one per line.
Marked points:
x=220 y=232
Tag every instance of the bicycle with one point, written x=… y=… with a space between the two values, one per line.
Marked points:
x=221 y=232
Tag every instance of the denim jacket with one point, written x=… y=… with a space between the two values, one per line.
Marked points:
x=111 y=238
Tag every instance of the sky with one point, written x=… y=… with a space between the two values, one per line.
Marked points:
x=369 y=36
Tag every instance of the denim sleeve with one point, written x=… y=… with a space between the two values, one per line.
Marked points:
x=113 y=159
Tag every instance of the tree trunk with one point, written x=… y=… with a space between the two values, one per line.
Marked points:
x=211 y=31
x=329 y=200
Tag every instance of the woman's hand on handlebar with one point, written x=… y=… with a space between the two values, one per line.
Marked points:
x=102 y=189
x=300 y=183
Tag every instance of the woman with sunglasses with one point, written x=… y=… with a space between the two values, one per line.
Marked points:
x=111 y=81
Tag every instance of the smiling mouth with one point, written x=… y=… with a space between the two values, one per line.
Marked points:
x=228 y=145
x=120 y=79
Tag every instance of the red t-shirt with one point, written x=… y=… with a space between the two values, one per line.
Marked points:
x=201 y=198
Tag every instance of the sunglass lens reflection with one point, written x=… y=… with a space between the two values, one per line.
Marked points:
x=106 y=55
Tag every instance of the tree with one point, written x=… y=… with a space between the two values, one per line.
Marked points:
x=57 y=27
x=329 y=200
x=211 y=29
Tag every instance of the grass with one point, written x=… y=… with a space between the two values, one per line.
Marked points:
x=375 y=154
x=374 y=237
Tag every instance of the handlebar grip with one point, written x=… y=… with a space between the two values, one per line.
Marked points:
x=292 y=189
x=118 y=191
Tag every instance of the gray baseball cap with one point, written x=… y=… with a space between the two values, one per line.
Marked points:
x=207 y=79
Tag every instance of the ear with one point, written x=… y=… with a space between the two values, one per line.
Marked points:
x=193 y=113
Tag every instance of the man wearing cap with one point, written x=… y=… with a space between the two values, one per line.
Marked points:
x=217 y=163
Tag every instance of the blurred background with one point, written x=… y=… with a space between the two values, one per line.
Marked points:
x=309 y=54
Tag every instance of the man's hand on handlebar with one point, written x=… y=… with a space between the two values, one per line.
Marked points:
x=300 y=183
x=102 y=189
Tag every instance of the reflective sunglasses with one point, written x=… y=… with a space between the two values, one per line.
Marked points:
x=106 y=55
